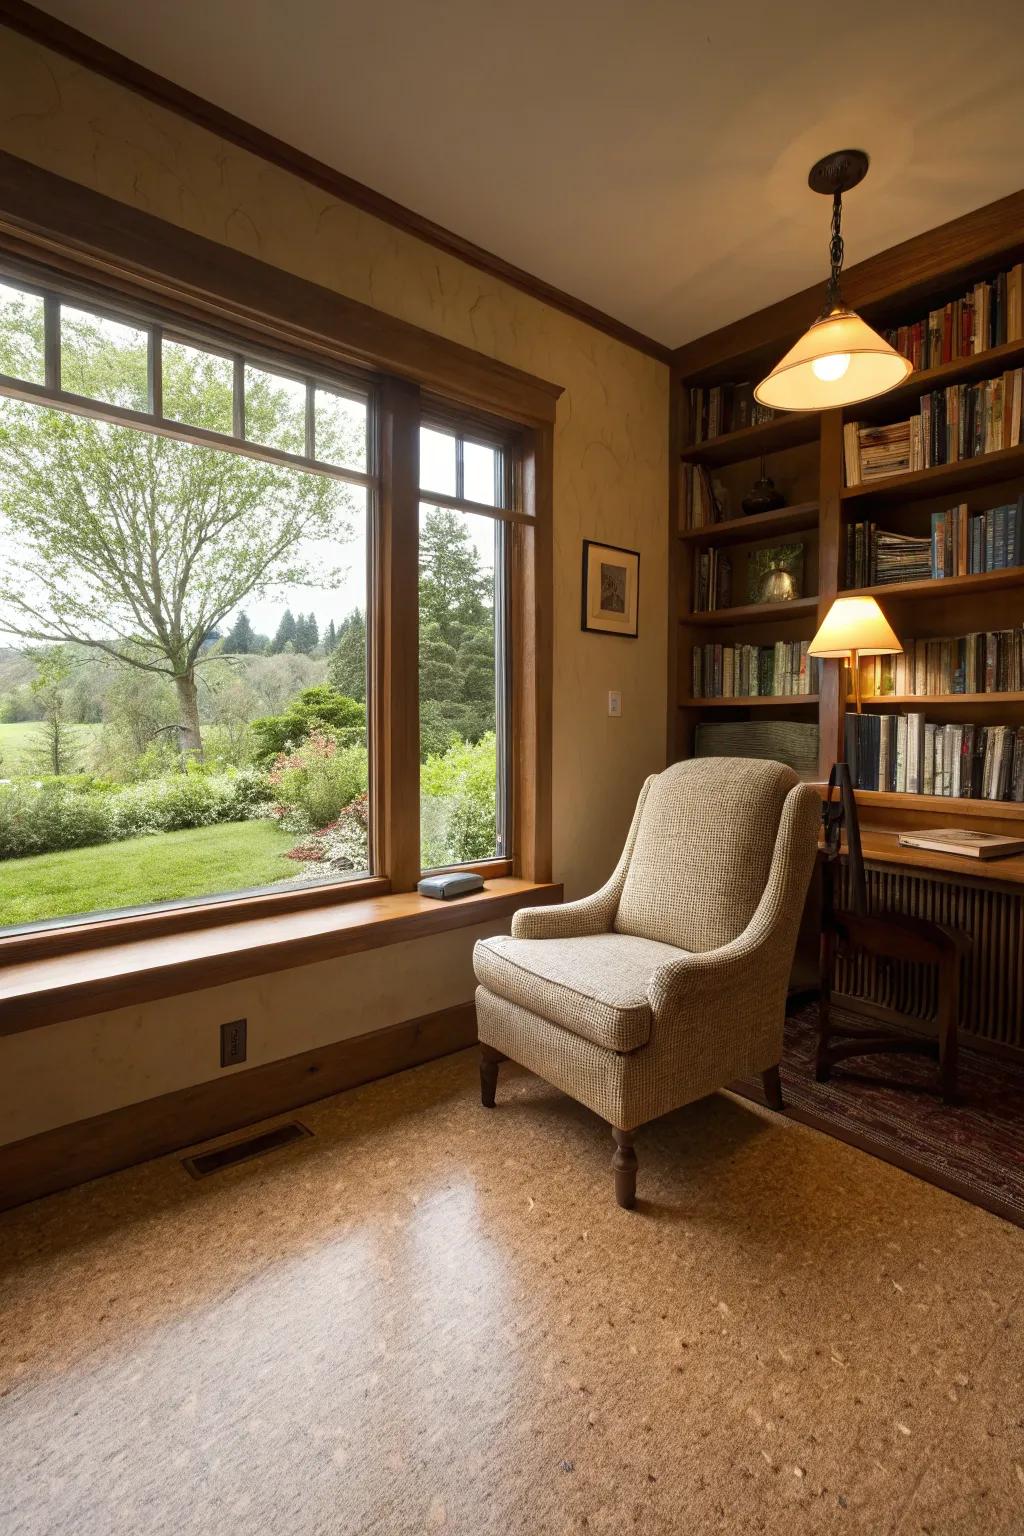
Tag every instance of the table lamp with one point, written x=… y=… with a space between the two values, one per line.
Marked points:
x=852 y=628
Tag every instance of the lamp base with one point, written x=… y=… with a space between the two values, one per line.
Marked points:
x=838 y=172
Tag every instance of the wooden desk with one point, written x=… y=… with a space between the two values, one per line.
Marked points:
x=882 y=846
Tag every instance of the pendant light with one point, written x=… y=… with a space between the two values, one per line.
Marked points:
x=839 y=360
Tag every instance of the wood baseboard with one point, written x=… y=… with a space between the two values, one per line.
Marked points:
x=87 y=1149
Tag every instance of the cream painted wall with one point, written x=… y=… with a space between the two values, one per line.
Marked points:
x=611 y=480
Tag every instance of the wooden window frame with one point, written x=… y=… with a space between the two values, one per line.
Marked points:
x=58 y=235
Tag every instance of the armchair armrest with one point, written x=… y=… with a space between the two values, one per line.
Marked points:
x=589 y=915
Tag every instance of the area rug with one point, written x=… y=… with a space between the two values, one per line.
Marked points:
x=889 y=1106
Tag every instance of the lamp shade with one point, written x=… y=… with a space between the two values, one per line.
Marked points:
x=855 y=624
x=839 y=361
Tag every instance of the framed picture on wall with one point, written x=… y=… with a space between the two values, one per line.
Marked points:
x=611 y=590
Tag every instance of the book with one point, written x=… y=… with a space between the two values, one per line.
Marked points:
x=725 y=408
x=963 y=841
x=963 y=421
x=957 y=761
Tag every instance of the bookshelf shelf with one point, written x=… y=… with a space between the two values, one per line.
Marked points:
x=942 y=805
x=751 y=613
x=940 y=480
x=750 y=442
x=929 y=701
x=960 y=370
x=762 y=525
x=945 y=586
x=753 y=701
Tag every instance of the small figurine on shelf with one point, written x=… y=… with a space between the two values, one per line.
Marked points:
x=763 y=496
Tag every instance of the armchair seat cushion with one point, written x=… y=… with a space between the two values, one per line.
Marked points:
x=596 y=986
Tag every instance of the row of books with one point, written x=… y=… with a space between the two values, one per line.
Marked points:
x=989 y=661
x=698 y=504
x=913 y=756
x=725 y=408
x=961 y=543
x=781 y=670
x=963 y=421
x=988 y=315
x=712 y=581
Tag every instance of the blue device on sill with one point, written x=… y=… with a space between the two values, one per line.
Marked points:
x=446 y=887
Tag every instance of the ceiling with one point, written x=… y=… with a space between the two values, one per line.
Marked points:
x=647 y=156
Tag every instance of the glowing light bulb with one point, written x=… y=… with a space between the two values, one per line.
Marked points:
x=829 y=369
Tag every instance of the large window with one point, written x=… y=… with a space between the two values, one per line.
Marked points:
x=468 y=480
x=183 y=616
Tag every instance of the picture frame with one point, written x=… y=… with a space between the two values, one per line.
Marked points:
x=610 y=603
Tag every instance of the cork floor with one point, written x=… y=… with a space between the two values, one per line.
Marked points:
x=431 y=1318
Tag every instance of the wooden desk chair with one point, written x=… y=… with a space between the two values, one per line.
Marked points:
x=845 y=930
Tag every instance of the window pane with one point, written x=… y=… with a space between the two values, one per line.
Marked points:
x=192 y=723
x=459 y=692
x=275 y=410
x=21 y=335
x=340 y=429
x=103 y=359
x=437 y=461
x=479 y=473
x=198 y=387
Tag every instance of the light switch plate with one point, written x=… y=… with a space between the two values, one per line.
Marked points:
x=614 y=702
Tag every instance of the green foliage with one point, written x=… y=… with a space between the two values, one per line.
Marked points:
x=307 y=633
x=456 y=637
x=240 y=639
x=458 y=795
x=62 y=813
x=322 y=707
x=347 y=669
x=317 y=780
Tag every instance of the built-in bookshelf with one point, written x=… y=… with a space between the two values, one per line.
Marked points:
x=959 y=297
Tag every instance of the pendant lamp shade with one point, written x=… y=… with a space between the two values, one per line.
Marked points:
x=855 y=626
x=838 y=361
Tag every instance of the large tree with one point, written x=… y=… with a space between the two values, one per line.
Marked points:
x=456 y=635
x=136 y=545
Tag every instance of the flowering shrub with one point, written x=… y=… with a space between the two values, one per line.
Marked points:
x=457 y=803
x=44 y=817
x=315 y=781
x=341 y=846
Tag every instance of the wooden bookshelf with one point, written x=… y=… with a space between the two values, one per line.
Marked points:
x=804 y=454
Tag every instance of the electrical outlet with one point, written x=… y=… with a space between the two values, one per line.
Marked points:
x=615 y=702
x=232 y=1043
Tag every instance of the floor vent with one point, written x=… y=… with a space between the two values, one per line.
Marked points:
x=205 y=1163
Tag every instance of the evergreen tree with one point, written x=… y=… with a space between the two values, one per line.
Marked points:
x=456 y=636
x=285 y=633
x=347 y=669
x=241 y=641
x=307 y=633
x=330 y=638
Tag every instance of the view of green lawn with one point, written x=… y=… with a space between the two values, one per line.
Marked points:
x=168 y=866
x=23 y=745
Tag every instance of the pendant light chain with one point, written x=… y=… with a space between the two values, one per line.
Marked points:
x=836 y=248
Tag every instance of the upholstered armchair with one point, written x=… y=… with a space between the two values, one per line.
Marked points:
x=670 y=981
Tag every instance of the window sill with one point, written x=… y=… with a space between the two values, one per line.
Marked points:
x=71 y=986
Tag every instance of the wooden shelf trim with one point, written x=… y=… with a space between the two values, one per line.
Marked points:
x=789 y=431
x=944 y=586
x=39 y=992
x=750 y=613
x=750 y=701
x=926 y=701
x=965 y=474
x=747 y=530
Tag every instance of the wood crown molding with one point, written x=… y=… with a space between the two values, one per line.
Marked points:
x=87 y=51
x=86 y=1149
x=75 y=233
x=911 y=270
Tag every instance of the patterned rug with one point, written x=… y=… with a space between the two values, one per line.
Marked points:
x=889 y=1106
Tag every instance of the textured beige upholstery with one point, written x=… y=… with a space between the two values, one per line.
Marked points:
x=671 y=980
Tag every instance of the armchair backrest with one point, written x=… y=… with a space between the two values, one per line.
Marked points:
x=703 y=851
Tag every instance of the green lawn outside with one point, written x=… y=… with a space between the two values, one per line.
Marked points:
x=166 y=867
x=22 y=746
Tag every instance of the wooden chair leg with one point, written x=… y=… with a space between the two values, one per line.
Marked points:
x=490 y=1060
x=772 y=1083
x=624 y=1165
